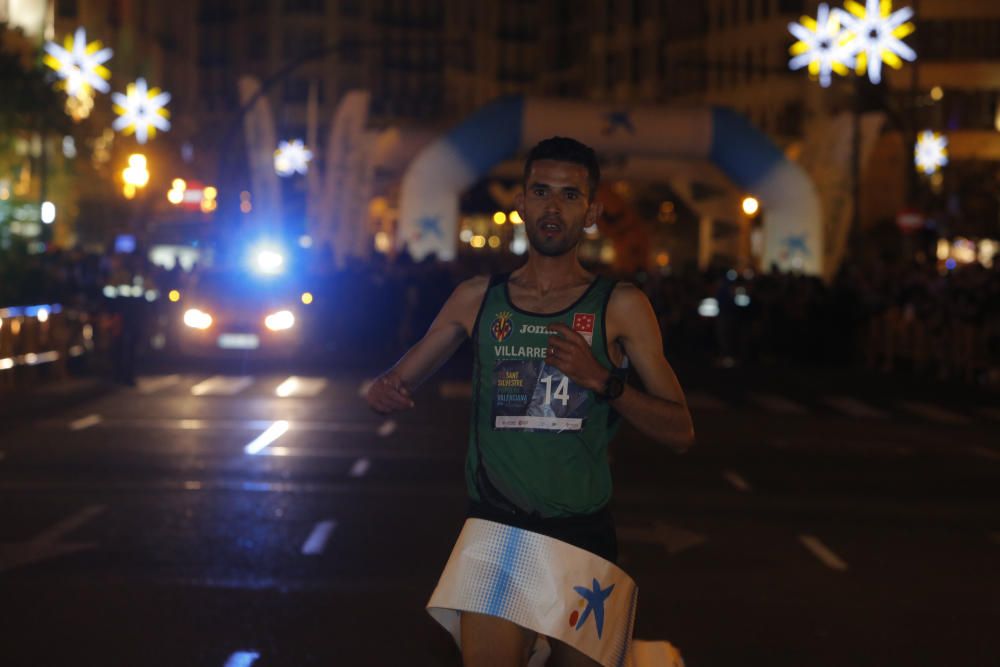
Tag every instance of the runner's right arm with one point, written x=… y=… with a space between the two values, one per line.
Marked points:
x=391 y=391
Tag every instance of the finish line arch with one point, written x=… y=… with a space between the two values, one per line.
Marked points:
x=436 y=178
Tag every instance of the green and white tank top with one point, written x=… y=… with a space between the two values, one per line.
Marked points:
x=538 y=442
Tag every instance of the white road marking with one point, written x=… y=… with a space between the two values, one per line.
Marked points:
x=365 y=386
x=822 y=552
x=236 y=424
x=387 y=428
x=698 y=400
x=150 y=385
x=300 y=386
x=273 y=432
x=673 y=539
x=736 y=480
x=854 y=408
x=85 y=422
x=985 y=452
x=456 y=390
x=778 y=404
x=934 y=413
x=222 y=385
x=317 y=538
x=242 y=659
x=360 y=467
x=46 y=544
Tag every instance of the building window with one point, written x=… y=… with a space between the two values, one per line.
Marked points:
x=304 y=6
x=66 y=9
x=791 y=7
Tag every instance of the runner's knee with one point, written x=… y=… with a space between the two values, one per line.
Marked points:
x=488 y=641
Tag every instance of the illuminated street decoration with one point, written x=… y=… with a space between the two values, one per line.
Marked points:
x=877 y=33
x=80 y=65
x=292 y=157
x=141 y=110
x=931 y=152
x=823 y=45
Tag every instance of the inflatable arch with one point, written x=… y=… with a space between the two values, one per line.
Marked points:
x=443 y=169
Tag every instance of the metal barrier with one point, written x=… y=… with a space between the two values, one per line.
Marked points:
x=38 y=343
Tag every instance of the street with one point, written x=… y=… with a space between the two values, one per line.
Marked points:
x=225 y=519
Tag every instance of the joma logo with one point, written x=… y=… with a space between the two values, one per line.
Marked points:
x=534 y=329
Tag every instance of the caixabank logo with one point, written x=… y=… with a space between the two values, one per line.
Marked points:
x=502 y=326
x=593 y=598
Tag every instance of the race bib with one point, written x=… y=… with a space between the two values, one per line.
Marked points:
x=530 y=395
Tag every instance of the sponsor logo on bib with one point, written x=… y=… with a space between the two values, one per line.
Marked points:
x=534 y=329
x=502 y=326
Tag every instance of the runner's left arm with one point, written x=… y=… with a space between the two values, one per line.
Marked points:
x=660 y=411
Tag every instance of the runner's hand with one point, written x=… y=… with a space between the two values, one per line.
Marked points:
x=388 y=394
x=570 y=352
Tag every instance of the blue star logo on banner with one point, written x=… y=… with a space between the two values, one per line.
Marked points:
x=615 y=119
x=797 y=244
x=430 y=226
x=595 y=603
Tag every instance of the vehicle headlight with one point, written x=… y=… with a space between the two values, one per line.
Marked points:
x=279 y=321
x=197 y=319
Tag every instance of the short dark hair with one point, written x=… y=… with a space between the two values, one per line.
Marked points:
x=564 y=149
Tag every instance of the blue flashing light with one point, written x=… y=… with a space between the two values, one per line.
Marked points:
x=951 y=263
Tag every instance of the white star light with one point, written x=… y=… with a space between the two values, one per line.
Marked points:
x=141 y=110
x=823 y=45
x=931 y=152
x=80 y=65
x=878 y=32
x=291 y=157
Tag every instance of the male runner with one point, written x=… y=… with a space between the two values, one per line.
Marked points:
x=550 y=342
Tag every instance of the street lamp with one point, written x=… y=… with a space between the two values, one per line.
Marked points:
x=135 y=175
x=750 y=206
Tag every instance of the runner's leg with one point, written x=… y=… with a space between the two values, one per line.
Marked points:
x=564 y=655
x=488 y=641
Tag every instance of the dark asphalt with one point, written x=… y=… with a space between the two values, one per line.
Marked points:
x=136 y=530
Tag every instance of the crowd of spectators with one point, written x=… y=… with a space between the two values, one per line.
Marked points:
x=905 y=318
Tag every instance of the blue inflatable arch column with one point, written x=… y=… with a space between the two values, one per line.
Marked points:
x=439 y=174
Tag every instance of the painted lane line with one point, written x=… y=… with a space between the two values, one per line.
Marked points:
x=316 y=542
x=823 y=553
x=47 y=544
x=152 y=385
x=699 y=400
x=778 y=404
x=242 y=659
x=985 y=452
x=273 y=432
x=85 y=422
x=854 y=408
x=934 y=413
x=222 y=385
x=300 y=386
x=360 y=467
x=387 y=428
x=736 y=480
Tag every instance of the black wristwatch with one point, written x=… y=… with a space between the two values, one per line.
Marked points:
x=613 y=388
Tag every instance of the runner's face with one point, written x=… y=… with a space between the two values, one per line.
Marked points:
x=555 y=207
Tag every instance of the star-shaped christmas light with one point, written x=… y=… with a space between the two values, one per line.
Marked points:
x=141 y=110
x=79 y=65
x=931 y=152
x=823 y=45
x=292 y=157
x=877 y=33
